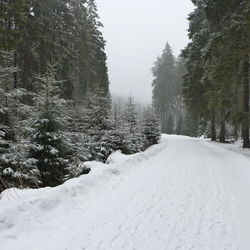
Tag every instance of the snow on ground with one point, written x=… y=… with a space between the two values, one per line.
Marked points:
x=184 y=193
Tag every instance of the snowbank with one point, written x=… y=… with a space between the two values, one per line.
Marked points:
x=17 y=206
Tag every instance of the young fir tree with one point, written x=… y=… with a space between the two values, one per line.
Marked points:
x=132 y=136
x=97 y=125
x=15 y=169
x=150 y=127
x=7 y=135
x=49 y=146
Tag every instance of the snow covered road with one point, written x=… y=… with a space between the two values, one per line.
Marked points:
x=184 y=193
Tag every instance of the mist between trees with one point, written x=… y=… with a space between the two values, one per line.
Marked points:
x=205 y=92
x=55 y=104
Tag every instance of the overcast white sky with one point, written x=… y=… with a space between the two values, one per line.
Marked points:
x=136 y=32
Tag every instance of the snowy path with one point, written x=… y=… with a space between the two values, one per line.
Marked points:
x=182 y=194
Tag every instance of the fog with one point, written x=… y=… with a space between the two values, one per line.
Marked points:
x=136 y=32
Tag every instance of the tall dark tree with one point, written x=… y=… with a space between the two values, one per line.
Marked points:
x=216 y=86
x=164 y=84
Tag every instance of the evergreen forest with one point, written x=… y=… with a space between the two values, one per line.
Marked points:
x=124 y=124
x=205 y=91
x=56 y=109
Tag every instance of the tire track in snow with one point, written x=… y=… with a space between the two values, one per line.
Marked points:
x=195 y=207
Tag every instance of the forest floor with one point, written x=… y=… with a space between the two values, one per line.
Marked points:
x=184 y=193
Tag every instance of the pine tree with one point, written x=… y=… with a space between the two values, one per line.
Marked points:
x=164 y=87
x=132 y=138
x=194 y=86
x=15 y=169
x=97 y=125
x=150 y=127
x=49 y=147
x=97 y=58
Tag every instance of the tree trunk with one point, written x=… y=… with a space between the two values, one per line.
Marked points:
x=213 y=130
x=245 y=124
x=26 y=67
x=222 y=132
x=235 y=132
x=15 y=73
x=6 y=113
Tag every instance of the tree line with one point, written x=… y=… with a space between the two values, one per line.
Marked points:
x=216 y=85
x=206 y=90
x=168 y=101
x=55 y=104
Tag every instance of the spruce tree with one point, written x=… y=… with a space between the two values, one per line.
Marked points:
x=97 y=125
x=15 y=169
x=164 y=84
x=150 y=127
x=132 y=137
x=49 y=147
